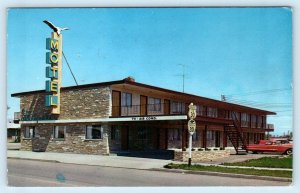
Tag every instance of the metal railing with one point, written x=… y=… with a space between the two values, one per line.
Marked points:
x=159 y=109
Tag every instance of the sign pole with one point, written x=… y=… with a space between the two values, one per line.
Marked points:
x=192 y=128
x=190 y=150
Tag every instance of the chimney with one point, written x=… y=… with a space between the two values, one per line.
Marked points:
x=130 y=78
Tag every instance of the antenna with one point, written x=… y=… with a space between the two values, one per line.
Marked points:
x=183 y=75
x=223 y=97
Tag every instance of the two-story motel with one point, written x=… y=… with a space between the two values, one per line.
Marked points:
x=126 y=115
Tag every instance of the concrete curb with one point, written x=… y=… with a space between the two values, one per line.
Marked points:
x=281 y=179
x=32 y=159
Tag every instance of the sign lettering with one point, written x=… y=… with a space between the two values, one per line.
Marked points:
x=53 y=73
x=143 y=118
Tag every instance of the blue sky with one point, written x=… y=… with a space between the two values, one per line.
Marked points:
x=230 y=51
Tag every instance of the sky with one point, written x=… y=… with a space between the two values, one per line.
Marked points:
x=242 y=53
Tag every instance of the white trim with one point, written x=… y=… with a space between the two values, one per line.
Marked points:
x=27 y=122
x=118 y=119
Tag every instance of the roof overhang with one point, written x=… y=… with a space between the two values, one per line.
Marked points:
x=110 y=119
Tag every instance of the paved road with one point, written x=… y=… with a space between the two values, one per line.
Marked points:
x=39 y=173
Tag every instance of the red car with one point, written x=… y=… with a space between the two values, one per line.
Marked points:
x=279 y=146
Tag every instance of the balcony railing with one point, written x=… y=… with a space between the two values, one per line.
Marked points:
x=221 y=116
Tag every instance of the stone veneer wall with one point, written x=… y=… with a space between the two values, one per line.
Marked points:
x=198 y=156
x=73 y=142
x=75 y=104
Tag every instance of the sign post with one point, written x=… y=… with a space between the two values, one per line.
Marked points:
x=192 y=113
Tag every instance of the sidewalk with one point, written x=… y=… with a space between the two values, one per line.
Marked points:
x=95 y=160
x=123 y=161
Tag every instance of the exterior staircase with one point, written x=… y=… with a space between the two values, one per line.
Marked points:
x=234 y=134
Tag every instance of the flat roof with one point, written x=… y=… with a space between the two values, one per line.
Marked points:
x=130 y=82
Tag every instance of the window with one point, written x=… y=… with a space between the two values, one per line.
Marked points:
x=259 y=121
x=29 y=132
x=212 y=112
x=59 y=132
x=253 y=121
x=115 y=132
x=200 y=110
x=210 y=135
x=245 y=120
x=177 y=107
x=174 y=134
x=196 y=135
x=93 y=132
x=126 y=99
x=154 y=104
x=235 y=115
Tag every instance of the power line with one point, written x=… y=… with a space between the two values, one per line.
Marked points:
x=70 y=68
x=260 y=92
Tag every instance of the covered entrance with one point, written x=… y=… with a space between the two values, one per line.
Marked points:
x=142 y=138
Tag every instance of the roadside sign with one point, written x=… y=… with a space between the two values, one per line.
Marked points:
x=192 y=126
x=192 y=111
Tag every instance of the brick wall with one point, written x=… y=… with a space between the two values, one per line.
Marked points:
x=75 y=104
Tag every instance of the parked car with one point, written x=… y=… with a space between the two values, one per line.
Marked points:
x=276 y=145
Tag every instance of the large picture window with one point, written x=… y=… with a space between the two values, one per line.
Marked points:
x=93 y=132
x=59 y=132
x=154 y=104
x=126 y=99
x=29 y=132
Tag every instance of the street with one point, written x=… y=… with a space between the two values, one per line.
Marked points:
x=40 y=173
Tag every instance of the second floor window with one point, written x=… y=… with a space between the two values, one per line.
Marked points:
x=177 y=107
x=245 y=120
x=200 y=110
x=126 y=99
x=154 y=104
x=253 y=121
x=212 y=112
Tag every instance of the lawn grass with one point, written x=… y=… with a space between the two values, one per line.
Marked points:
x=268 y=162
x=273 y=173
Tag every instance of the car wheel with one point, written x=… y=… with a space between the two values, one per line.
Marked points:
x=254 y=152
x=289 y=152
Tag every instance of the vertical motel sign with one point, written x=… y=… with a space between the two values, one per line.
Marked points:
x=53 y=72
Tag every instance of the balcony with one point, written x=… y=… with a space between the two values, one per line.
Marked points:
x=204 y=115
x=144 y=110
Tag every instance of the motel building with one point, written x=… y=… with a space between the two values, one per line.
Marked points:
x=127 y=116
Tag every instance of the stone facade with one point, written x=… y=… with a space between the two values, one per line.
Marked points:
x=74 y=140
x=198 y=156
x=75 y=103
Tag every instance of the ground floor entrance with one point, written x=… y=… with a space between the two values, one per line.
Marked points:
x=142 y=138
